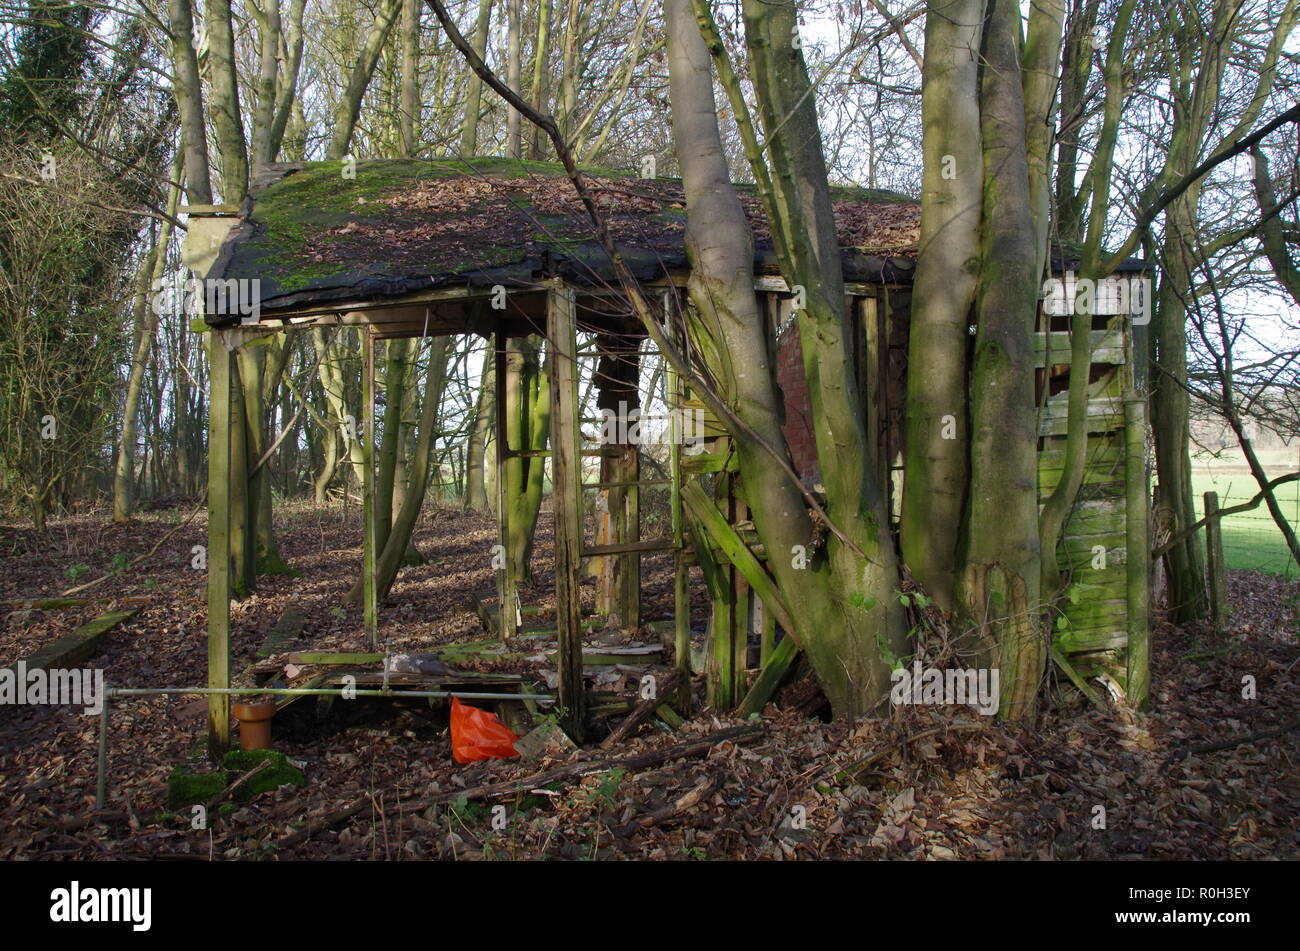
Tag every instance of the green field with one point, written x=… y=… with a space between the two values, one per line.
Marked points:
x=1250 y=539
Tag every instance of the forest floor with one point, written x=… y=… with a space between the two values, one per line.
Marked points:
x=925 y=783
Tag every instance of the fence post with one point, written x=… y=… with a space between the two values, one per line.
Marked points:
x=1218 y=577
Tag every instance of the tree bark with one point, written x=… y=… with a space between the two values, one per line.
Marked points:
x=476 y=497
x=936 y=458
x=390 y=558
x=1000 y=583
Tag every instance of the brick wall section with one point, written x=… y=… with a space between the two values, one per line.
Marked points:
x=798 y=414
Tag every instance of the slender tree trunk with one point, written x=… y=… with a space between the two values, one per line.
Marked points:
x=1187 y=597
x=540 y=50
x=474 y=91
x=409 y=123
x=188 y=90
x=1000 y=584
x=390 y=557
x=514 y=65
x=476 y=496
x=264 y=103
x=394 y=392
x=224 y=101
x=528 y=412
x=146 y=320
x=349 y=105
x=936 y=462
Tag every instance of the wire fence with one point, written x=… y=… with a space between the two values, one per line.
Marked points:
x=1252 y=540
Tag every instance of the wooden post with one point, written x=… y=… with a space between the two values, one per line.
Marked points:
x=875 y=387
x=1214 y=561
x=566 y=478
x=1138 y=555
x=507 y=583
x=369 y=533
x=220 y=420
x=242 y=506
x=681 y=576
x=618 y=393
x=721 y=642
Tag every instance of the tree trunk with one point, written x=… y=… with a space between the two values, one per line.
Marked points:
x=838 y=634
x=224 y=101
x=936 y=462
x=476 y=497
x=409 y=119
x=188 y=90
x=1000 y=583
x=514 y=64
x=390 y=557
x=349 y=105
x=528 y=412
x=474 y=91
x=865 y=624
x=394 y=393
x=146 y=320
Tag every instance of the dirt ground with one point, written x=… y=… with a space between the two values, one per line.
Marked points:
x=923 y=784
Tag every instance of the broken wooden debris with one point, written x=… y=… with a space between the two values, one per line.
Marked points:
x=1075 y=678
x=545 y=739
x=663 y=693
x=769 y=677
x=308 y=658
x=855 y=768
x=697 y=794
x=689 y=748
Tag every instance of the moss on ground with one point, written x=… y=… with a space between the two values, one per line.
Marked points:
x=186 y=788
x=193 y=789
x=280 y=773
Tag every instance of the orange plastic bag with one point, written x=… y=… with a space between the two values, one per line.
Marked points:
x=477 y=734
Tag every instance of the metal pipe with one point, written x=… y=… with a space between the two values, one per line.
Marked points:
x=322 y=692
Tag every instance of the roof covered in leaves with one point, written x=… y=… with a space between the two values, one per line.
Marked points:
x=312 y=235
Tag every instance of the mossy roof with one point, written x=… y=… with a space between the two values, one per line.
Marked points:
x=311 y=234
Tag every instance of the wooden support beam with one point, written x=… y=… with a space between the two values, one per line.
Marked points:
x=566 y=476
x=507 y=583
x=370 y=592
x=220 y=425
x=1138 y=543
x=875 y=388
x=775 y=666
x=681 y=572
x=715 y=525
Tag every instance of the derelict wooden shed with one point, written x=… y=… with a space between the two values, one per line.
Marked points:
x=406 y=248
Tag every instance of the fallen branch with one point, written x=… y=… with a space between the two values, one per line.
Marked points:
x=230 y=790
x=149 y=554
x=702 y=790
x=857 y=766
x=643 y=710
x=515 y=786
x=1186 y=751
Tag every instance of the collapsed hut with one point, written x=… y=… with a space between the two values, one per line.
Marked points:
x=502 y=249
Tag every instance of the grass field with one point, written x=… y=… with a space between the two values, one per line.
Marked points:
x=1250 y=539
